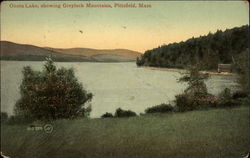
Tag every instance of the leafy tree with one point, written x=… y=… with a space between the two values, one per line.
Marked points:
x=52 y=93
x=196 y=94
x=195 y=81
x=242 y=68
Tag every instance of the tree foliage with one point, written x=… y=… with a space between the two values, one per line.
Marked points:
x=196 y=94
x=52 y=93
x=241 y=66
x=195 y=81
x=219 y=47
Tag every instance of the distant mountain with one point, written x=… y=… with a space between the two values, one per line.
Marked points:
x=25 y=52
x=87 y=52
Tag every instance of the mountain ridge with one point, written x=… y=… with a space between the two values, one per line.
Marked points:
x=27 y=52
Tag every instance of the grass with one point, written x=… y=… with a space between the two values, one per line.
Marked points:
x=212 y=133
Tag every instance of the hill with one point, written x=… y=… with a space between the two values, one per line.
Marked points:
x=95 y=52
x=210 y=50
x=15 y=51
x=25 y=52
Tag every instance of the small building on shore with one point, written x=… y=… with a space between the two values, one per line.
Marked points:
x=224 y=68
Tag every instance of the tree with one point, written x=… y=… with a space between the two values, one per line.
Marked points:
x=195 y=81
x=52 y=93
x=242 y=66
x=196 y=94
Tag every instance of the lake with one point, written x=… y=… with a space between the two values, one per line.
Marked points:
x=114 y=85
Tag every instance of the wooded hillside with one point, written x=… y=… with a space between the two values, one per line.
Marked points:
x=210 y=50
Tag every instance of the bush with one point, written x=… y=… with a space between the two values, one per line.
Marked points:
x=124 y=113
x=226 y=99
x=187 y=102
x=107 y=115
x=245 y=101
x=162 y=108
x=239 y=94
x=51 y=94
x=184 y=102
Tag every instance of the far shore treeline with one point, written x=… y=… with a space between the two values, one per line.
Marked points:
x=225 y=47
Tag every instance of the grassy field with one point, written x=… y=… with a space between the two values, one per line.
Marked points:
x=213 y=133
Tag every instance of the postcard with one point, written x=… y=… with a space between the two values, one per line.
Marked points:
x=125 y=79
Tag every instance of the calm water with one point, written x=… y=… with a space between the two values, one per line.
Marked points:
x=113 y=85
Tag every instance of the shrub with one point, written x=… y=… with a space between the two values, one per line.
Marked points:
x=187 y=102
x=226 y=99
x=245 y=101
x=239 y=94
x=162 y=108
x=124 y=113
x=51 y=94
x=107 y=115
x=184 y=102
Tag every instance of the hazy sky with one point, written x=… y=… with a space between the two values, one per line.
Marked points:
x=107 y=28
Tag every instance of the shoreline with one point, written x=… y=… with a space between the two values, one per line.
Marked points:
x=184 y=71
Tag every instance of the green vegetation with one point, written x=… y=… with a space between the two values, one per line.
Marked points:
x=220 y=47
x=162 y=108
x=107 y=115
x=212 y=134
x=51 y=94
x=204 y=53
x=195 y=95
x=119 y=113
x=195 y=81
x=242 y=67
x=225 y=98
x=124 y=113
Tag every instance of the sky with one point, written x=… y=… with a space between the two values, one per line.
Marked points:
x=137 y=29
